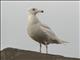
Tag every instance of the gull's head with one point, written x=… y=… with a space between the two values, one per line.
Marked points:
x=35 y=11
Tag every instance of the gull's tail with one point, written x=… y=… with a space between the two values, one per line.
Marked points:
x=58 y=41
x=61 y=41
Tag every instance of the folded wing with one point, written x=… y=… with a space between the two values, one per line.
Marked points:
x=51 y=35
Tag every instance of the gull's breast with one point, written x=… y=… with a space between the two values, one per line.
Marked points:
x=36 y=33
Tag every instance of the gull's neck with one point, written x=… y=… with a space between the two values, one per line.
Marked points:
x=32 y=19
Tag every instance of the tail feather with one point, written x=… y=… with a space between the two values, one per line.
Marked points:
x=58 y=41
x=61 y=41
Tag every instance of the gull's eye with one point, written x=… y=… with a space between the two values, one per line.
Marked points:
x=33 y=9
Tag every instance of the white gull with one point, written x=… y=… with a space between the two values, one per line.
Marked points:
x=40 y=32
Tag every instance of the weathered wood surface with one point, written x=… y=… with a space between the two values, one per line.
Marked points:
x=17 y=54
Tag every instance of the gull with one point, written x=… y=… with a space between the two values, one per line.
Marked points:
x=40 y=32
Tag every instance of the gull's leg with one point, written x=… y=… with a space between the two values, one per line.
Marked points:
x=40 y=47
x=46 y=47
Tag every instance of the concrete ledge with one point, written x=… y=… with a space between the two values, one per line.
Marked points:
x=17 y=54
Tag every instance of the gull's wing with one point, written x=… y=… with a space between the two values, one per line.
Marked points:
x=47 y=31
x=45 y=26
x=51 y=34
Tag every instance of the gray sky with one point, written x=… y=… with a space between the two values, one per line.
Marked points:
x=61 y=17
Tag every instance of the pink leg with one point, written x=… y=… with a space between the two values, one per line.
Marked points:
x=46 y=47
x=40 y=47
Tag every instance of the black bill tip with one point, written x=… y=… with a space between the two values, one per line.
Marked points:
x=42 y=11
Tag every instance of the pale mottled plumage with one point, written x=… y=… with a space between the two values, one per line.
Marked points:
x=40 y=32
